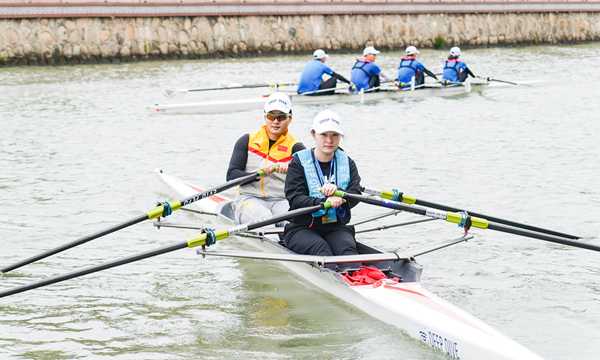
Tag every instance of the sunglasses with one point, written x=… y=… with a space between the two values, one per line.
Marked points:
x=280 y=117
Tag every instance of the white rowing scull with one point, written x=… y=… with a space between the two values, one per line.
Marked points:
x=404 y=304
x=341 y=96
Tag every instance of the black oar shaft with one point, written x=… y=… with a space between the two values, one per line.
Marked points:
x=386 y=203
x=497 y=220
x=228 y=185
x=224 y=233
x=191 y=242
x=387 y=194
x=545 y=237
x=93 y=269
x=152 y=214
x=477 y=221
x=249 y=86
x=502 y=81
x=74 y=243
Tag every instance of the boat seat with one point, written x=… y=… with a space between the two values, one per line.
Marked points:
x=226 y=210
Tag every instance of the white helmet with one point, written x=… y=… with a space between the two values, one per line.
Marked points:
x=411 y=50
x=455 y=51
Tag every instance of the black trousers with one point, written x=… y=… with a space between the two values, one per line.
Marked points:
x=331 y=83
x=420 y=78
x=463 y=76
x=325 y=241
x=374 y=82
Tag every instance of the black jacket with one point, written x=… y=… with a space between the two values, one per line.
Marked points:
x=296 y=192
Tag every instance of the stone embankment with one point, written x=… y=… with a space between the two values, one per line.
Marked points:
x=72 y=34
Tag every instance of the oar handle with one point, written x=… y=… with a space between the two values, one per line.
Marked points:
x=262 y=172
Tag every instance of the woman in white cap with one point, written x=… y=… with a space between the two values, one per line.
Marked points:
x=411 y=67
x=311 y=79
x=271 y=146
x=454 y=69
x=365 y=74
x=313 y=176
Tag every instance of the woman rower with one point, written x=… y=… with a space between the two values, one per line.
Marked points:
x=313 y=175
x=454 y=69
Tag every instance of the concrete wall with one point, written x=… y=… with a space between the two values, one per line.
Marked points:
x=73 y=40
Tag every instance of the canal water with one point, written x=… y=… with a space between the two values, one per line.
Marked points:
x=77 y=155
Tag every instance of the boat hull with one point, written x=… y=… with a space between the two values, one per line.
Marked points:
x=405 y=305
x=211 y=107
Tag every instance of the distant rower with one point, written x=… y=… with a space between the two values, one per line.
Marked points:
x=365 y=74
x=454 y=69
x=411 y=67
x=311 y=79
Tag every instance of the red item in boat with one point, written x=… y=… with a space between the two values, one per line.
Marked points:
x=366 y=276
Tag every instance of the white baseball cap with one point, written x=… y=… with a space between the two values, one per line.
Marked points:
x=411 y=50
x=455 y=51
x=319 y=54
x=370 y=50
x=278 y=101
x=327 y=121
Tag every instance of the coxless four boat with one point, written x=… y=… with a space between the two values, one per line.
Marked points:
x=342 y=95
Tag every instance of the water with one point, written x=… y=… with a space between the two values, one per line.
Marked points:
x=77 y=152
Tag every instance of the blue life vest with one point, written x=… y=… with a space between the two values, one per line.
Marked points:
x=407 y=69
x=362 y=72
x=341 y=173
x=452 y=69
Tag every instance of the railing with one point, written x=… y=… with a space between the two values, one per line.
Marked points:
x=153 y=8
x=274 y=1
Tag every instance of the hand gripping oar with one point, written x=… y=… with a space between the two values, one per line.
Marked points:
x=164 y=209
x=178 y=93
x=395 y=195
x=206 y=238
x=464 y=219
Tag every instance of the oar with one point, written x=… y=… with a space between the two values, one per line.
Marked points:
x=399 y=196
x=448 y=82
x=164 y=209
x=178 y=93
x=322 y=91
x=385 y=227
x=502 y=81
x=463 y=218
x=207 y=238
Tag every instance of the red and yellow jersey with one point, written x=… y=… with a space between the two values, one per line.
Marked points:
x=260 y=154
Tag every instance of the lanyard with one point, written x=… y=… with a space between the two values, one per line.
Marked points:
x=331 y=167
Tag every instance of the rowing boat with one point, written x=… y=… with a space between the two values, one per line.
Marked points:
x=341 y=96
x=403 y=303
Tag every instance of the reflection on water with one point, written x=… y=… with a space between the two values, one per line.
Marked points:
x=77 y=153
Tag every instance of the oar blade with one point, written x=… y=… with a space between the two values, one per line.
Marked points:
x=174 y=93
